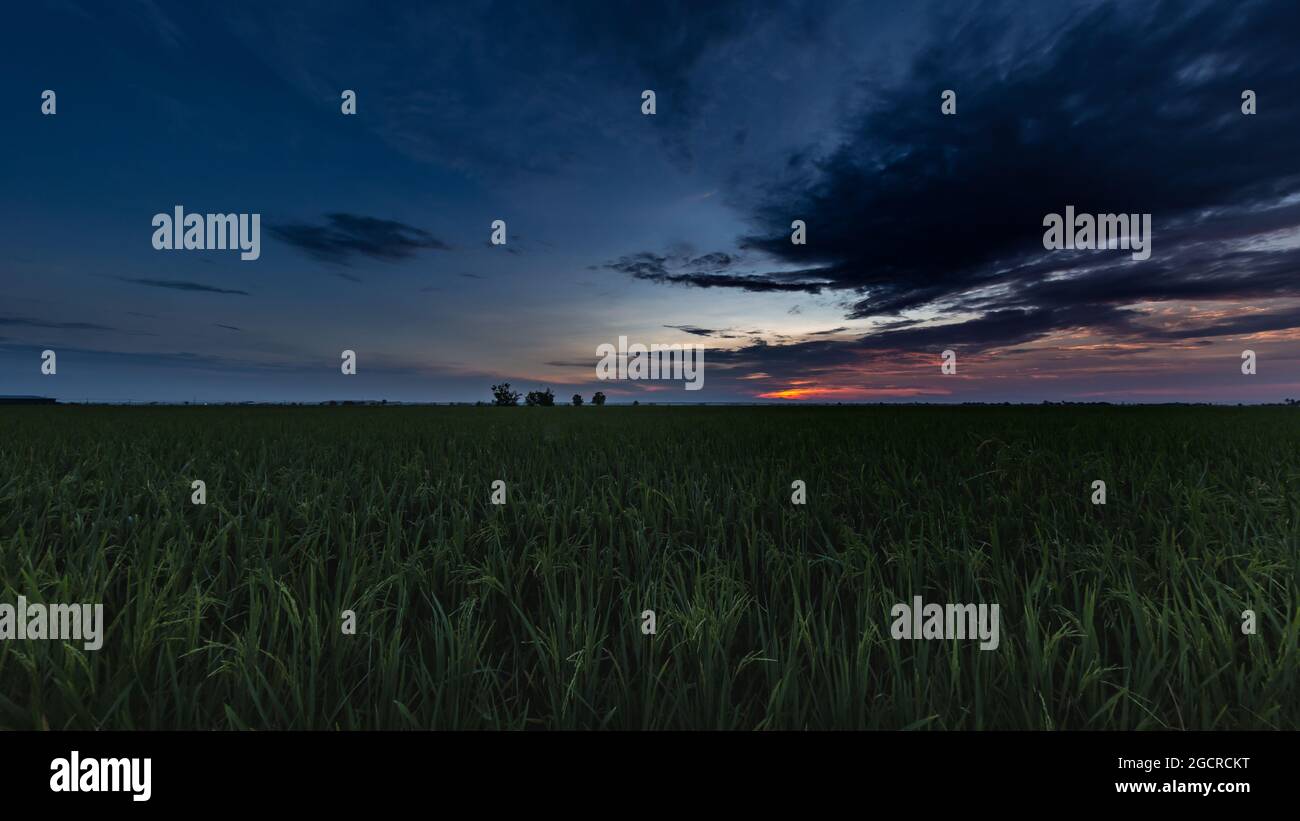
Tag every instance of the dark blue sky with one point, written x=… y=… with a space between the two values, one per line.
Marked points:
x=924 y=230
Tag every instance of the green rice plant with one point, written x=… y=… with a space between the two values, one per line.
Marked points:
x=770 y=615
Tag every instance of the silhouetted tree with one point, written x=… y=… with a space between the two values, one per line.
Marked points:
x=577 y=400
x=545 y=398
x=503 y=396
x=598 y=398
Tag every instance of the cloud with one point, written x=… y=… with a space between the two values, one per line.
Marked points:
x=227 y=327
x=669 y=269
x=911 y=213
x=691 y=329
x=27 y=322
x=185 y=359
x=725 y=333
x=179 y=285
x=343 y=236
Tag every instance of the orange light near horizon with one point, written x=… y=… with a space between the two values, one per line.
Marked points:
x=848 y=393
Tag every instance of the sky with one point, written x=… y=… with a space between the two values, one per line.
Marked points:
x=924 y=231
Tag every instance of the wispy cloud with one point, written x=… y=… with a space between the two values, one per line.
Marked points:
x=28 y=322
x=179 y=285
x=716 y=333
x=343 y=236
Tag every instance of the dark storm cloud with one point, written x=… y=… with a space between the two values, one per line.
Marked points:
x=343 y=236
x=179 y=285
x=1129 y=111
x=1126 y=109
